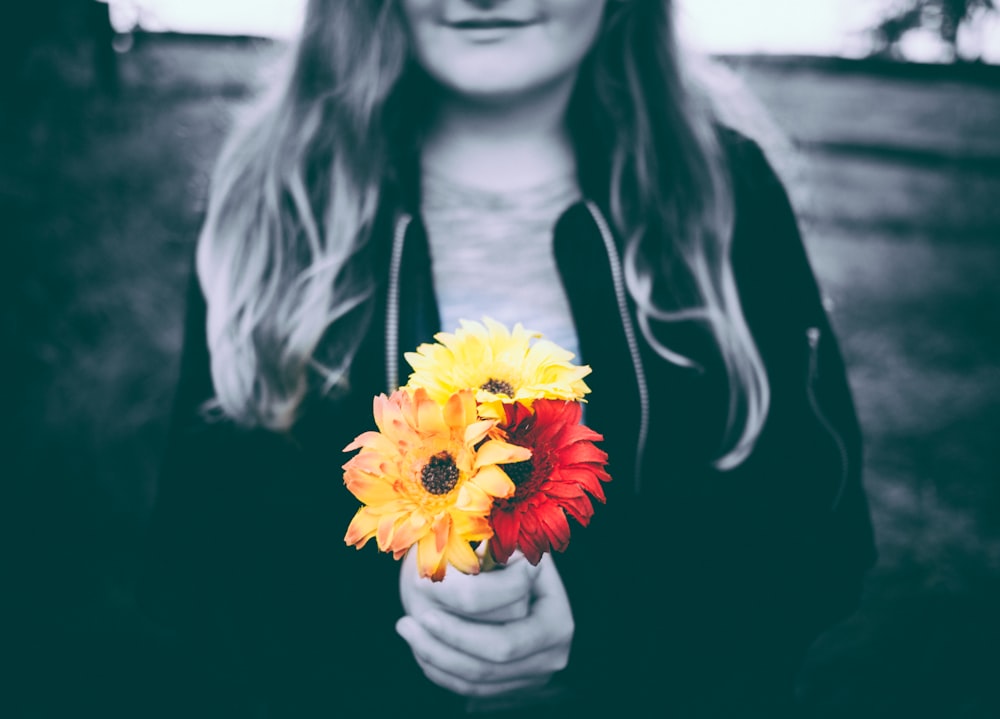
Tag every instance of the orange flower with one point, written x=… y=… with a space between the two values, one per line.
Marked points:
x=565 y=467
x=427 y=477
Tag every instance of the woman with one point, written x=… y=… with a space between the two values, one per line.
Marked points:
x=540 y=161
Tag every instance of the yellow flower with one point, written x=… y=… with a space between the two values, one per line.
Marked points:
x=502 y=366
x=428 y=477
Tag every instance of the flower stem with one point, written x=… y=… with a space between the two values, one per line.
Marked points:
x=486 y=561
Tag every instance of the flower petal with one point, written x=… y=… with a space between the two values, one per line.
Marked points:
x=471 y=498
x=429 y=418
x=408 y=532
x=369 y=489
x=583 y=478
x=580 y=508
x=430 y=560
x=531 y=539
x=553 y=522
x=361 y=529
x=454 y=410
x=495 y=451
x=386 y=528
x=441 y=527
x=494 y=481
x=578 y=453
x=475 y=432
x=506 y=526
x=471 y=527
x=461 y=556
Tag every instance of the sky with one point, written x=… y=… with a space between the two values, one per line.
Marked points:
x=810 y=27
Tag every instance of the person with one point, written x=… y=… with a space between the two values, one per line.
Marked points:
x=538 y=161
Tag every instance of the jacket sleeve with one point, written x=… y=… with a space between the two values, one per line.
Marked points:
x=168 y=571
x=183 y=586
x=776 y=549
x=812 y=436
x=245 y=563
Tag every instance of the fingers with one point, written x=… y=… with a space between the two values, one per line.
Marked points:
x=499 y=644
x=548 y=624
x=418 y=602
x=490 y=634
x=500 y=595
x=472 y=596
x=548 y=586
x=474 y=676
x=512 y=612
x=482 y=594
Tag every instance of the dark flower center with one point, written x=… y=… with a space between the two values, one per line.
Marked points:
x=440 y=474
x=498 y=386
x=519 y=472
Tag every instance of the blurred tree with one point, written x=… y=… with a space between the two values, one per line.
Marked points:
x=53 y=54
x=52 y=33
x=102 y=34
x=944 y=17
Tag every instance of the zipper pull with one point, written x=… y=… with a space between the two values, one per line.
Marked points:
x=813 y=334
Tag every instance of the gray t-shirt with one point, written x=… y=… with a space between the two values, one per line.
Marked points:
x=492 y=255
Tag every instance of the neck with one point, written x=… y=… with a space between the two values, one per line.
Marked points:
x=501 y=146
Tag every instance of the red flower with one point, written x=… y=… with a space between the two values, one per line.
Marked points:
x=565 y=467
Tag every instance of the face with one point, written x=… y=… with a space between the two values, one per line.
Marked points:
x=498 y=49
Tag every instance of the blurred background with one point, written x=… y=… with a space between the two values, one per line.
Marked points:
x=882 y=115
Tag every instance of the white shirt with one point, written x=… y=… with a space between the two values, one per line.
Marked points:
x=491 y=254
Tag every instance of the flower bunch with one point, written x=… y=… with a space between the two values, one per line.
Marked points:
x=485 y=442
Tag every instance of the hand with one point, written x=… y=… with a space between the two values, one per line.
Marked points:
x=502 y=595
x=490 y=634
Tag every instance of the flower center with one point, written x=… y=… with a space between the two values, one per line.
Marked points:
x=498 y=386
x=519 y=472
x=440 y=474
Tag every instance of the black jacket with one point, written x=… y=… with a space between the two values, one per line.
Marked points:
x=693 y=590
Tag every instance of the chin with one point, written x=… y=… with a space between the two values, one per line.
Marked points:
x=497 y=85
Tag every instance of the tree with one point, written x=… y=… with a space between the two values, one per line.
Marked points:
x=33 y=33
x=943 y=16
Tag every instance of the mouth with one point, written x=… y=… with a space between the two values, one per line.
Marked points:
x=490 y=23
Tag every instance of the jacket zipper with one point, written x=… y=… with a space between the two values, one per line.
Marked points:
x=618 y=279
x=814 y=334
x=392 y=305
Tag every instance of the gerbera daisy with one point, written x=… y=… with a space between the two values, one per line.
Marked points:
x=427 y=477
x=502 y=366
x=565 y=466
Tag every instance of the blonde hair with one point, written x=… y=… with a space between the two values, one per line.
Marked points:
x=283 y=259
x=293 y=200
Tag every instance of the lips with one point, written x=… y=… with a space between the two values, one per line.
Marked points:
x=489 y=23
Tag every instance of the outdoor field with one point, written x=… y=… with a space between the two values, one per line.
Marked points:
x=896 y=175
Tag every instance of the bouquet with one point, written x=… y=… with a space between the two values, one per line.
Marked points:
x=483 y=449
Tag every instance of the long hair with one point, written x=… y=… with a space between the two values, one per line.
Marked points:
x=293 y=201
x=281 y=258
